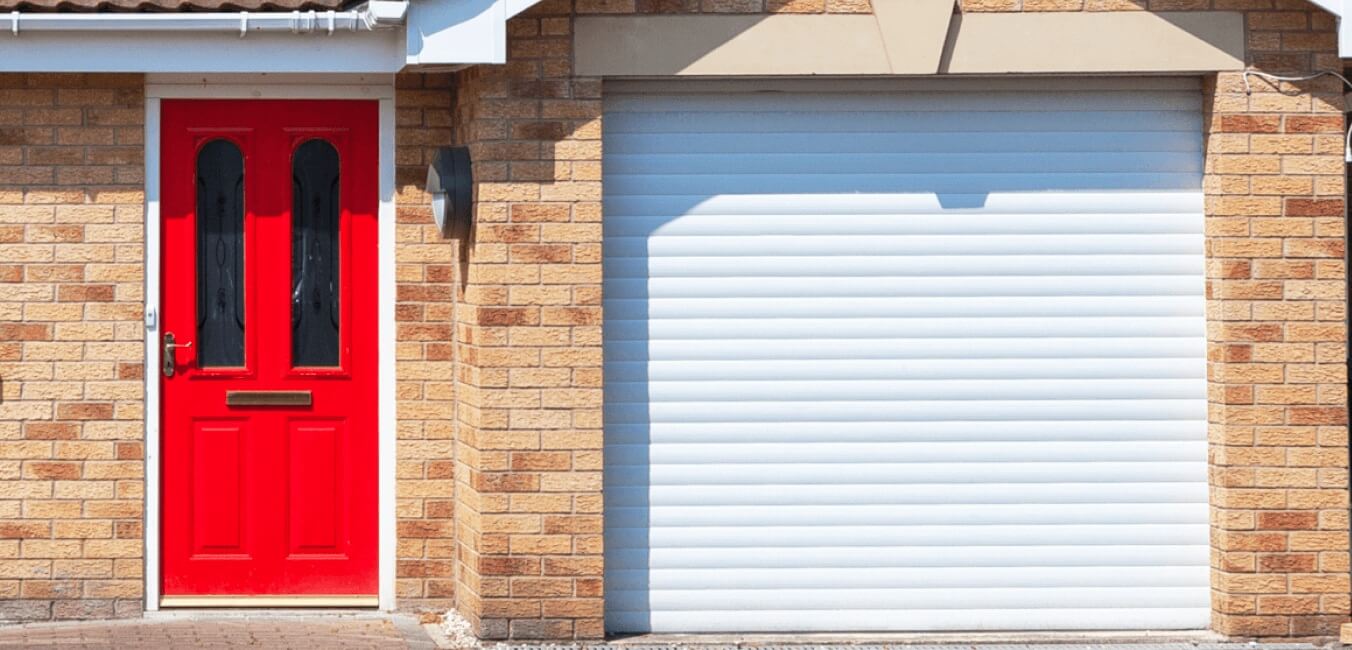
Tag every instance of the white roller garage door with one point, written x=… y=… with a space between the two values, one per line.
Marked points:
x=928 y=358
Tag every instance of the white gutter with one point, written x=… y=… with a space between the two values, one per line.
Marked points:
x=375 y=14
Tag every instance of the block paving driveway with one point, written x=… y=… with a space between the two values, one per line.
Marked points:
x=309 y=633
x=402 y=631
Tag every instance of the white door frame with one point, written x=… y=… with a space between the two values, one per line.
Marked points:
x=247 y=86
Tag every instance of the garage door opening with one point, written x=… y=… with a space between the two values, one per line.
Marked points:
x=913 y=357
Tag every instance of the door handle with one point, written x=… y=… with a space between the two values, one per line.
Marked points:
x=169 y=346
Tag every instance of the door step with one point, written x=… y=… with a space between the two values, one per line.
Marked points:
x=269 y=601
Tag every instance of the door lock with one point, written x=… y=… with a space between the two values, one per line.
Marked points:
x=169 y=347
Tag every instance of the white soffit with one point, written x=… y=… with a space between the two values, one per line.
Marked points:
x=454 y=32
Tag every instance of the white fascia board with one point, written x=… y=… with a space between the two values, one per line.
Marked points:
x=172 y=51
x=456 y=32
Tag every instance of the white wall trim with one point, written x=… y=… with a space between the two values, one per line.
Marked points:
x=243 y=86
x=151 y=529
x=386 y=419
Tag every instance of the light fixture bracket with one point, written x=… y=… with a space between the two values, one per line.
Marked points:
x=450 y=181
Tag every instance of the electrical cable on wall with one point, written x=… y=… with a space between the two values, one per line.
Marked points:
x=1277 y=79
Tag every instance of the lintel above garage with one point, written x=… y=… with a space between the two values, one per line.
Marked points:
x=920 y=37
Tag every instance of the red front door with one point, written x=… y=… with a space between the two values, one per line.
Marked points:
x=269 y=334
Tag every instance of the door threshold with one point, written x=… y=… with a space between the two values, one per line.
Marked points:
x=269 y=601
x=262 y=614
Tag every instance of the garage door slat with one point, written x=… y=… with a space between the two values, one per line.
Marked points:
x=934 y=430
x=897 y=494
x=890 y=620
x=965 y=558
x=917 y=578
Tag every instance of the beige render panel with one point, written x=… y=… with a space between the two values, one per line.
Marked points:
x=905 y=39
x=913 y=33
x=1101 y=42
x=901 y=38
x=729 y=45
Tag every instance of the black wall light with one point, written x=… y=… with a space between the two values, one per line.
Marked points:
x=451 y=184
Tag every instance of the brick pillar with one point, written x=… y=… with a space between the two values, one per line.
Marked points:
x=1277 y=339
x=529 y=335
x=425 y=293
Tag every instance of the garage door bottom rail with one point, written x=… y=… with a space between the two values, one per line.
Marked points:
x=700 y=644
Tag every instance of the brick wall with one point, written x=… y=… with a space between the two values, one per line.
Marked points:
x=427 y=275
x=528 y=456
x=499 y=357
x=1276 y=284
x=70 y=346
x=71 y=274
x=1277 y=291
x=71 y=382
x=529 y=449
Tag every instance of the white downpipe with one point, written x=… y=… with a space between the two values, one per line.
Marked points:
x=376 y=14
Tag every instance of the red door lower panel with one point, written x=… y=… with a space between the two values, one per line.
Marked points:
x=269 y=388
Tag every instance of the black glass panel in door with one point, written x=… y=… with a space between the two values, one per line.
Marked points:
x=220 y=255
x=314 y=255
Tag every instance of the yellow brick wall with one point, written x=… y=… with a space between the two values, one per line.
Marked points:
x=528 y=455
x=528 y=501
x=427 y=273
x=71 y=375
x=1277 y=307
x=1276 y=314
x=70 y=346
x=499 y=358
